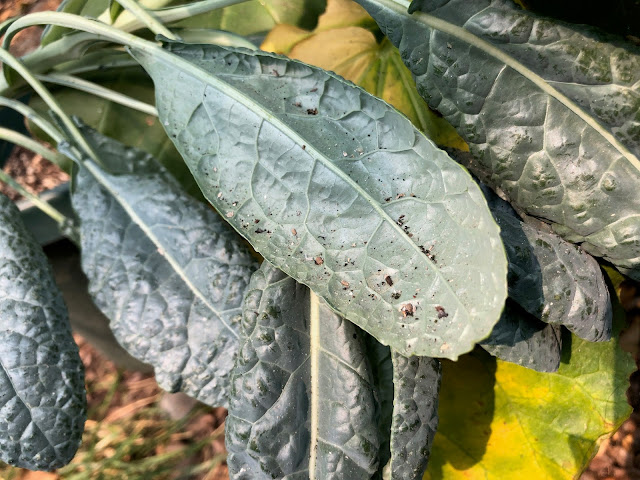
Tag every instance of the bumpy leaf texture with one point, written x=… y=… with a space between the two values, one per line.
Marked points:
x=314 y=397
x=415 y=415
x=42 y=396
x=338 y=190
x=549 y=109
x=523 y=339
x=302 y=401
x=164 y=268
x=550 y=278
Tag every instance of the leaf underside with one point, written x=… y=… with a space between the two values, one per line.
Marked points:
x=42 y=396
x=548 y=109
x=338 y=190
x=165 y=269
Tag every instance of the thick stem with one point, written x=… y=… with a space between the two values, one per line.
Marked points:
x=30 y=144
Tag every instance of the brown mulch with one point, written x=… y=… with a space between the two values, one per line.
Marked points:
x=31 y=171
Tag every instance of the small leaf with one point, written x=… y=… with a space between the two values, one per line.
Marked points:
x=551 y=279
x=278 y=146
x=548 y=109
x=42 y=396
x=499 y=420
x=302 y=399
x=522 y=339
x=163 y=267
x=415 y=415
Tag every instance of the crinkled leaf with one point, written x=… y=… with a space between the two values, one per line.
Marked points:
x=382 y=371
x=42 y=396
x=341 y=43
x=548 y=109
x=163 y=267
x=499 y=420
x=415 y=415
x=301 y=386
x=551 y=279
x=523 y=339
x=338 y=190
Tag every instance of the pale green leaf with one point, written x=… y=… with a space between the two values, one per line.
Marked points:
x=340 y=191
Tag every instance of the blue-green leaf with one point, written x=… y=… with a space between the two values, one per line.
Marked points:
x=340 y=191
x=549 y=109
x=303 y=398
x=163 y=267
x=42 y=396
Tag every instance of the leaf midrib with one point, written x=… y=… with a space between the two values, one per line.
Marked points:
x=475 y=41
x=207 y=78
x=104 y=181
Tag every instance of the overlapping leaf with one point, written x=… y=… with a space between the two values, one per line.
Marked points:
x=303 y=401
x=338 y=190
x=549 y=110
x=313 y=396
x=42 y=397
x=343 y=43
x=499 y=420
x=415 y=415
x=521 y=338
x=165 y=269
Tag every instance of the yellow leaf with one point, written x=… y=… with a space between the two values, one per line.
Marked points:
x=282 y=38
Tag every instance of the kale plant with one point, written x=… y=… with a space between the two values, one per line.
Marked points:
x=376 y=284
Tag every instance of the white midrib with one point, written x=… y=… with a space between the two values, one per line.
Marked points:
x=106 y=183
x=314 y=351
x=401 y=6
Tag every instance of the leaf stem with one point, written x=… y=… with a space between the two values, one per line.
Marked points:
x=99 y=91
x=44 y=206
x=41 y=90
x=33 y=116
x=174 y=14
x=147 y=19
x=29 y=143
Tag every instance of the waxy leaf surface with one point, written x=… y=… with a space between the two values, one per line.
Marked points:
x=340 y=191
x=521 y=338
x=550 y=278
x=415 y=415
x=302 y=386
x=163 y=267
x=343 y=42
x=548 y=109
x=42 y=396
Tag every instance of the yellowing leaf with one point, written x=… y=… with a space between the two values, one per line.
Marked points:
x=341 y=44
x=343 y=13
x=499 y=420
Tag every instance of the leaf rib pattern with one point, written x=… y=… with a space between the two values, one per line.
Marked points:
x=164 y=268
x=555 y=128
x=330 y=185
x=269 y=428
x=42 y=396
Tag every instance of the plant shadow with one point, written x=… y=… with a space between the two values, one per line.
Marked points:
x=466 y=410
